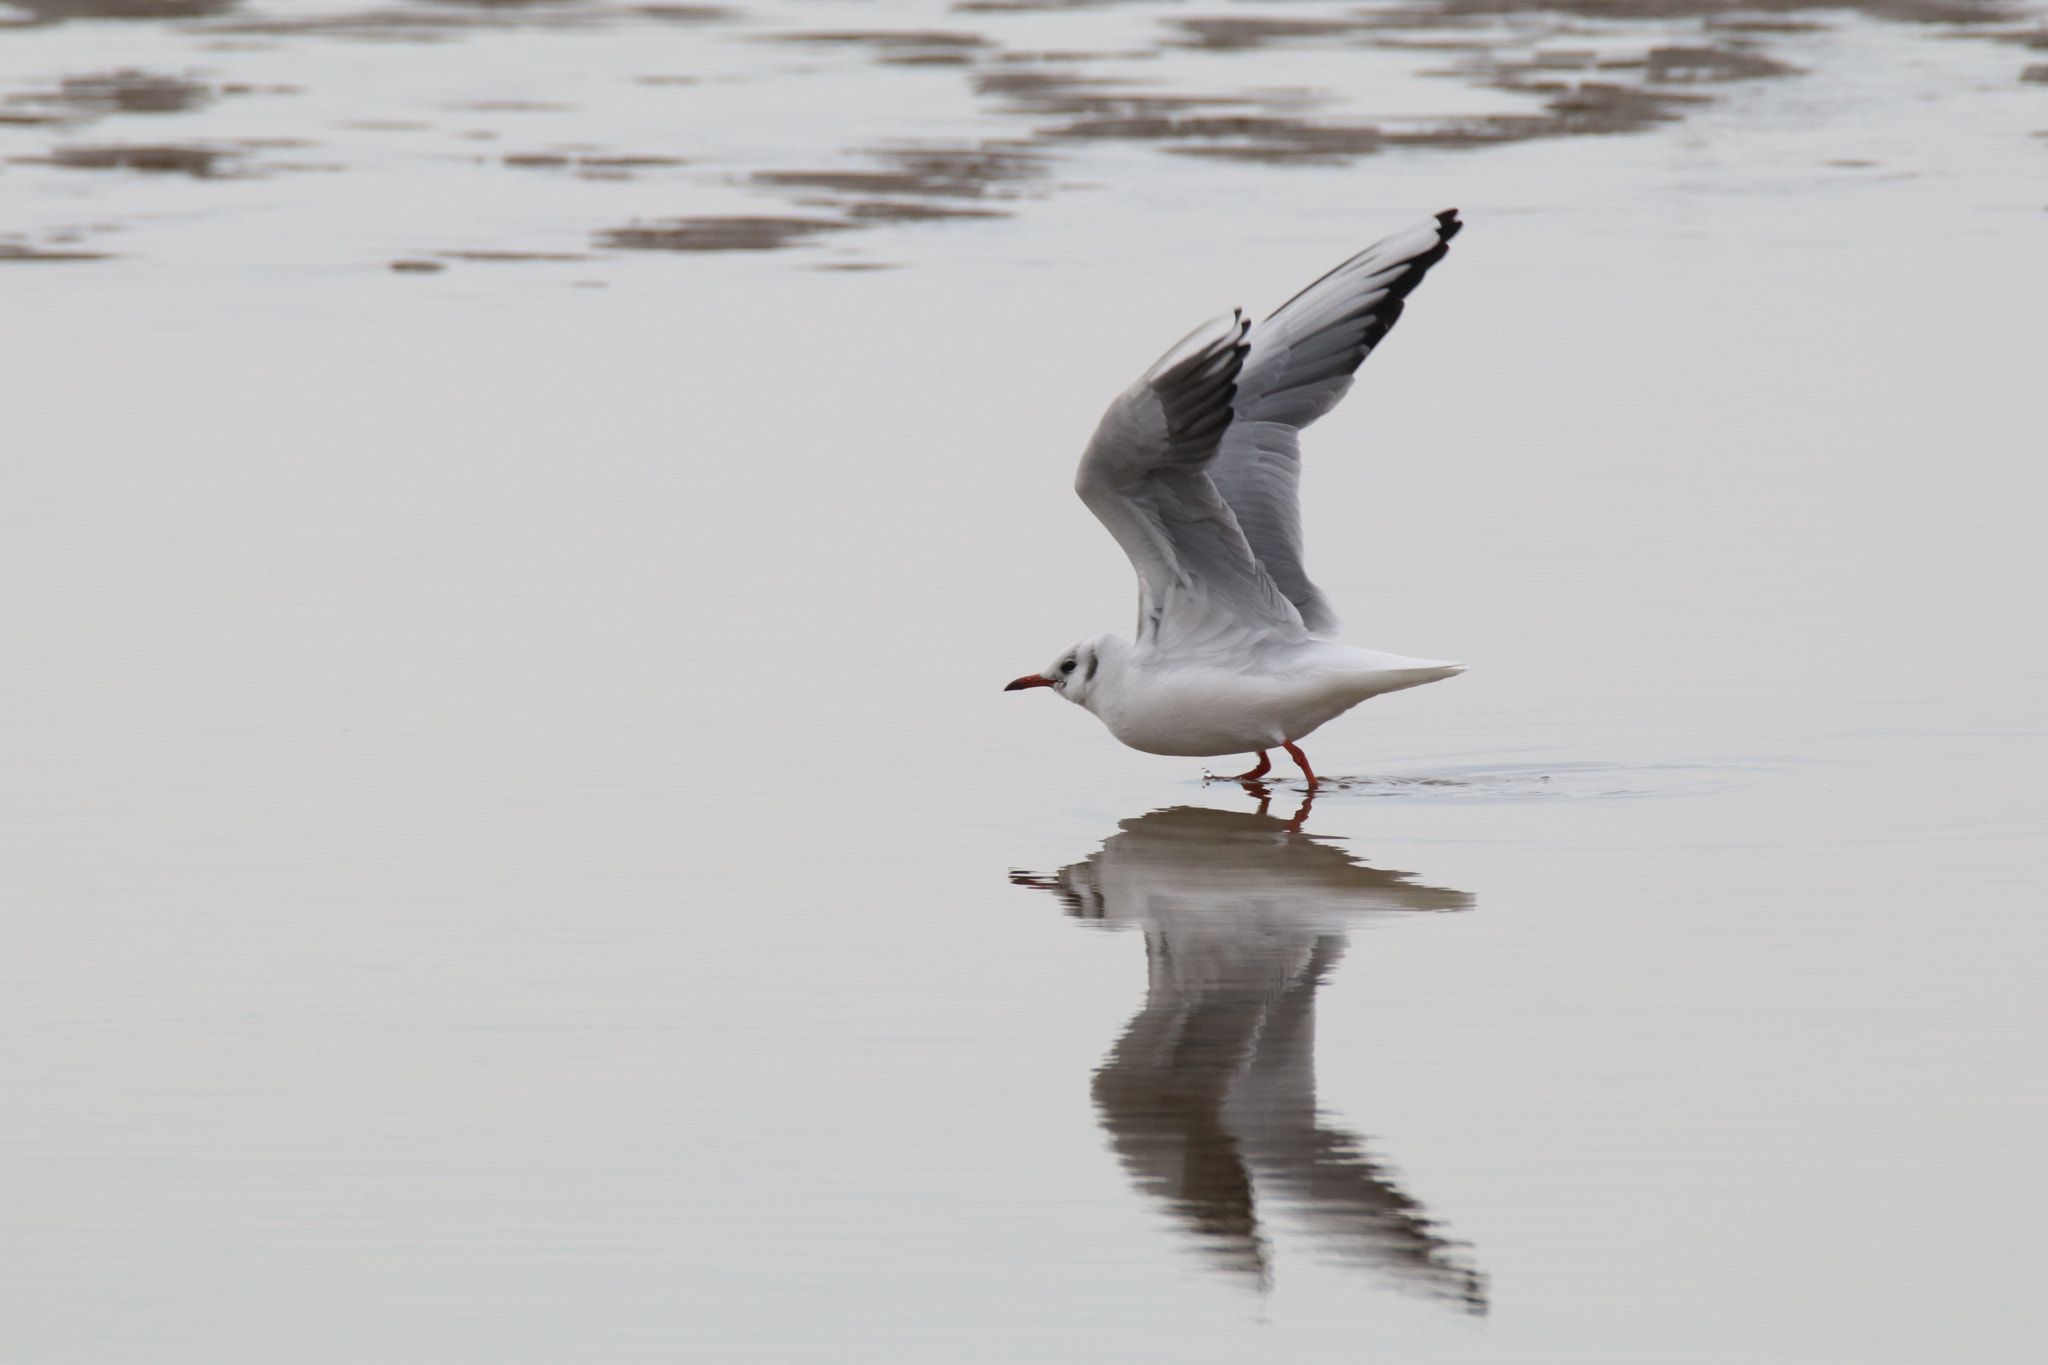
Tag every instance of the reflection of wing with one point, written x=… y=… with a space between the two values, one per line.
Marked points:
x=1209 y=1096
x=1324 y=1176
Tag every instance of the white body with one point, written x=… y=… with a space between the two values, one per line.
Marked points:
x=1277 y=694
x=1195 y=470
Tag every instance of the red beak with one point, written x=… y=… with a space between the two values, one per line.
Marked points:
x=1029 y=680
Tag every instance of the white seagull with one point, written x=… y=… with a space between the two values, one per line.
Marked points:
x=1195 y=470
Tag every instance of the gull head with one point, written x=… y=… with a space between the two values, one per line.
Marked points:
x=1079 y=670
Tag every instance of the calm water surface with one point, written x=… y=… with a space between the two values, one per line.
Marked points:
x=516 y=520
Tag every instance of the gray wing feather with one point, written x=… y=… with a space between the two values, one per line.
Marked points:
x=1145 y=475
x=1299 y=363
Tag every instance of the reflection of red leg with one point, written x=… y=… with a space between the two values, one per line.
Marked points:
x=1265 y=766
x=1299 y=757
x=1308 y=798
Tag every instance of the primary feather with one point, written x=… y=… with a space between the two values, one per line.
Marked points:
x=1299 y=363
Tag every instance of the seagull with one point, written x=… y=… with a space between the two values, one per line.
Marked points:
x=1195 y=470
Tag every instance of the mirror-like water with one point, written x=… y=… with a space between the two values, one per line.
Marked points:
x=516 y=520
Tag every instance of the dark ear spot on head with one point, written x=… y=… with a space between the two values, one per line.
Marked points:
x=1094 y=662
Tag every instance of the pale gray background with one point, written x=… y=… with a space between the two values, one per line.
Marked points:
x=508 y=803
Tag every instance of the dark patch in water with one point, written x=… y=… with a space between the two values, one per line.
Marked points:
x=1304 y=144
x=672 y=13
x=1270 y=127
x=914 y=182
x=884 y=37
x=1502 y=45
x=418 y=267
x=56 y=11
x=1764 y=26
x=157 y=159
x=685 y=14
x=967 y=171
x=718 y=234
x=1596 y=107
x=457 y=18
x=850 y=182
x=1070 y=94
x=1671 y=64
x=128 y=91
x=1908 y=11
x=885 y=211
x=947 y=58
x=1590 y=107
x=367 y=25
x=1237 y=137
x=1026 y=6
x=21 y=251
x=1233 y=34
x=590 y=167
x=912 y=177
x=902 y=47
x=1135 y=55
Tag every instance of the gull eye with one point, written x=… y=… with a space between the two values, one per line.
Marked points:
x=1067 y=667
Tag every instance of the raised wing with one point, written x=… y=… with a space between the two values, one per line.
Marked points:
x=1145 y=474
x=1299 y=363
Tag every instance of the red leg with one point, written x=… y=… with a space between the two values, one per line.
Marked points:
x=1265 y=766
x=1299 y=757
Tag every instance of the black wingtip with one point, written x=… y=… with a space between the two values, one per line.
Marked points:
x=1196 y=393
x=1449 y=223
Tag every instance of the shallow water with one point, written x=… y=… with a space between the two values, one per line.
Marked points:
x=516 y=523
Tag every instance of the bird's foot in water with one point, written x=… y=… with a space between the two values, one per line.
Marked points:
x=1265 y=766
x=1255 y=783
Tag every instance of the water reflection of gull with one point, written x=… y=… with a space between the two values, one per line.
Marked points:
x=1210 y=1097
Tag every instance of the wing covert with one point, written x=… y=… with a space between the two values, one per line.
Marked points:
x=1145 y=475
